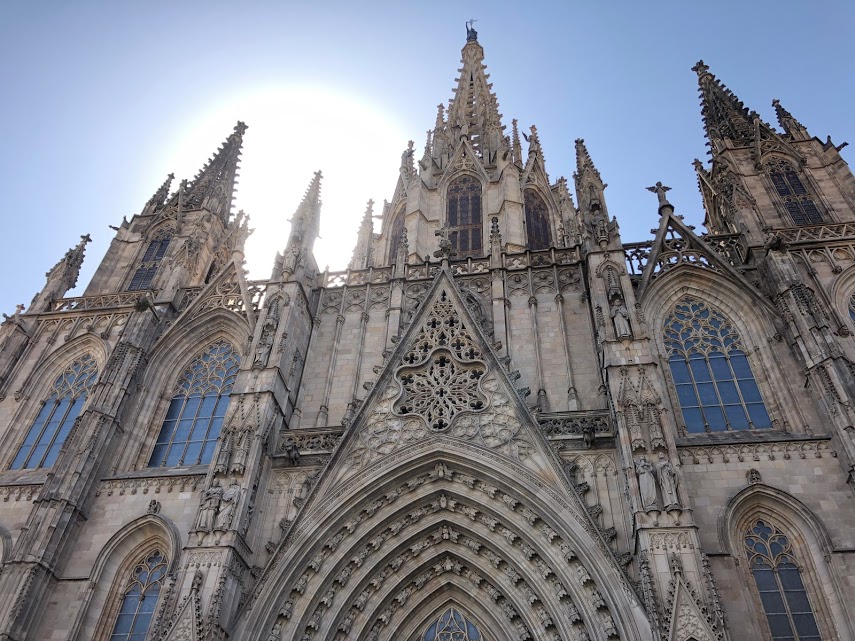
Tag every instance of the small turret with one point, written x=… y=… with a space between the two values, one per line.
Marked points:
x=61 y=277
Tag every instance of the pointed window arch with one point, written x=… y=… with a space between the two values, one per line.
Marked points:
x=452 y=626
x=395 y=233
x=54 y=421
x=792 y=192
x=464 y=216
x=140 y=598
x=154 y=254
x=195 y=415
x=536 y=220
x=779 y=582
x=712 y=376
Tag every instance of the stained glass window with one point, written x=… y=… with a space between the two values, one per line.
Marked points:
x=154 y=253
x=452 y=626
x=464 y=216
x=779 y=582
x=140 y=598
x=795 y=197
x=536 y=220
x=713 y=379
x=197 y=409
x=57 y=415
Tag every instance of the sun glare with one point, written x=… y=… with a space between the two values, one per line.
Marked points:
x=293 y=132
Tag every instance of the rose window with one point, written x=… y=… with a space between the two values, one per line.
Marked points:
x=440 y=389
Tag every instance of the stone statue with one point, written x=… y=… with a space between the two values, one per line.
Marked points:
x=228 y=504
x=291 y=450
x=224 y=455
x=646 y=484
x=265 y=343
x=620 y=317
x=209 y=506
x=667 y=482
x=276 y=632
x=588 y=436
x=241 y=453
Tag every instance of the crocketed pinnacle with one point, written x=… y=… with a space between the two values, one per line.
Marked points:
x=306 y=220
x=362 y=252
x=584 y=165
x=214 y=186
x=159 y=197
x=788 y=123
x=724 y=115
x=66 y=271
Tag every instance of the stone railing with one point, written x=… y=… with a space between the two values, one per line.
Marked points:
x=310 y=441
x=817 y=232
x=576 y=424
x=104 y=301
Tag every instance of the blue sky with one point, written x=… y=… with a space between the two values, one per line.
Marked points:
x=102 y=100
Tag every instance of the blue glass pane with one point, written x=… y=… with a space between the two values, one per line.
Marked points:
x=191 y=407
x=749 y=391
x=719 y=367
x=736 y=417
x=158 y=455
x=759 y=416
x=39 y=423
x=715 y=419
x=222 y=405
x=798 y=601
x=765 y=579
x=680 y=371
x=700 y=370
x=176 y=453
x=694 y=420
x=740 y=365
x=200 y=429
x=687 y=397
x=706 y=392
x=208 y=452
x=174 y=407
x=191 y=456
x=182 y=431
x=772 y=602
x=727 y=392
x=805 y=625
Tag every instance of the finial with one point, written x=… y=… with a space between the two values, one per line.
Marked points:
x=700 y=68
x=471 y=34
x=659 y=189
x=446 y=250
x=240 y=128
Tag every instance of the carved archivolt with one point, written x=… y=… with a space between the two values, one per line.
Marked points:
x=376 y=562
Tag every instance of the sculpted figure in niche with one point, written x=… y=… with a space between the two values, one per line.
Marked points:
x=620 y=317
x=224 y=455
x=291 y=450
x=228 y=504
x=209 y=506
x=667 y=482
x=646 y=484
x=292 y=254
x=276 y=632
x=265 y=343
x=241 y=453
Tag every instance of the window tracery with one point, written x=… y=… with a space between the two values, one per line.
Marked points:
x=54 y=421
x=796 y=198
x=154 y=253
x=140 y=598
x=452 y=626
x=779 y=582
x=397 y=228
x=464 y=215
x=536 y=220
x=715 y=386
x=195 y=415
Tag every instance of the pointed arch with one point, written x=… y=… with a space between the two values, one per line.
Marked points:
x=537 y=220
x=113 y=567
x=805 y=544
x=464 y=214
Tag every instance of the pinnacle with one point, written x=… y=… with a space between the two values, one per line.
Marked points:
x=583 y=160
x=724 y=115
x=785 y=118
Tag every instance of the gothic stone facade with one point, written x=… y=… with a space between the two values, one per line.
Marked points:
x=501 y=420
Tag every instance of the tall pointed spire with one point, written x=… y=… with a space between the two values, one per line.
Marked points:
x=305 y=224
x=362 y=253
x=724 y=114
x=158 y=199
x=585 y=169
x=590 y=190
x=62 y=276
x=214 y=186
x=473 y=112
x=788 y=123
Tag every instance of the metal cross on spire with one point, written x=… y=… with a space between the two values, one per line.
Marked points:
x=471 y=34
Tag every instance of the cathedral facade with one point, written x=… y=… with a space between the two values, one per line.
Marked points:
x=502 y=422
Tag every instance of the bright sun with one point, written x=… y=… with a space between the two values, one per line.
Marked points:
x=293 y=132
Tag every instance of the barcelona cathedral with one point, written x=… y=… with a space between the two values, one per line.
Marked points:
x=502 y=422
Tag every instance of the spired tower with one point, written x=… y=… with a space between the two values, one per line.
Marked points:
x=500 y=422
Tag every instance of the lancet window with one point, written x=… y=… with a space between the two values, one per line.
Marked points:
x=154 y=253
x=464 y=216
x=56 y=417
x=536 y=220
x=779 y=581
x=797 y=201
x=452 y=626
x=140 y=598
x=198 y=406
x=712 y=376
x=395 y=232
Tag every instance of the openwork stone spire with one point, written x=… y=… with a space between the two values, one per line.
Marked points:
x=724 y=115
x=214 y=186
x=304 y=226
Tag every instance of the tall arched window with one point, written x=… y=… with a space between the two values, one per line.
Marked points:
x=793 y=194
x=464 y=215
x=713 y=379
x=140 y=598
x=57 y=415
x=395 y=232
x=452 y=626
x=197 y=409
x=536 y=220
x=154 y=253
x=778 y=579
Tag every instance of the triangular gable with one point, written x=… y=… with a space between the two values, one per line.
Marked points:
x=442 y=381
x=187 y=624
x=465 y=158
x=676 y=246
x=687 y=619
x=227 y=290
